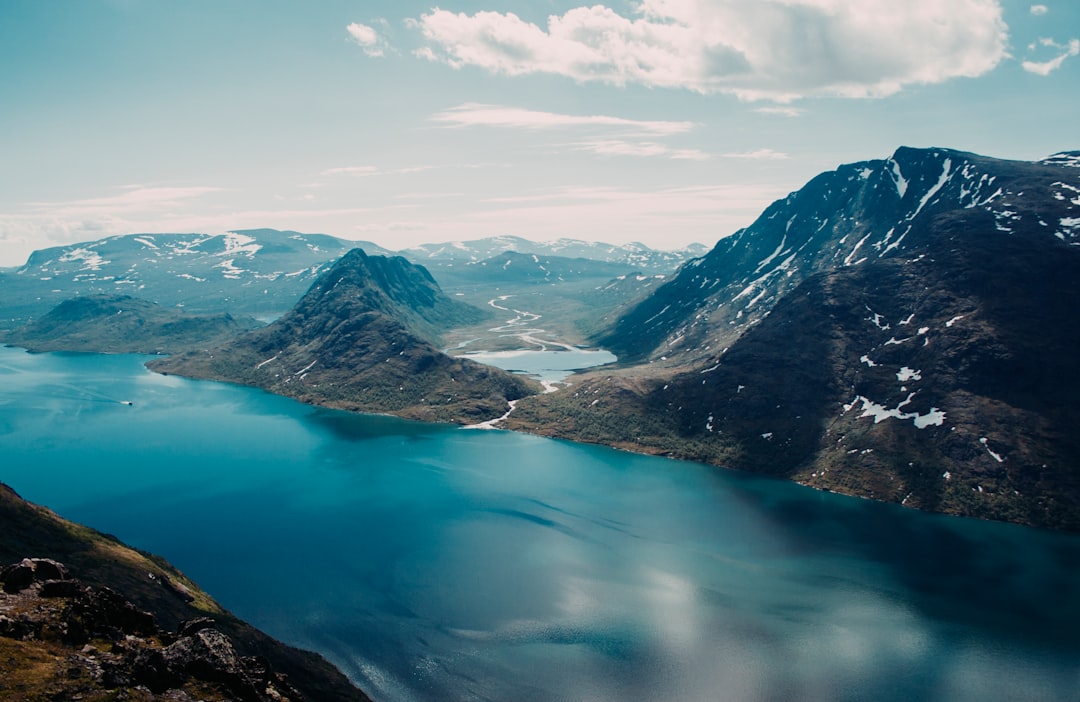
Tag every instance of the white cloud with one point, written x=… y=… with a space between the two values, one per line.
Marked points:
x=618 y=136
x=1045 y=68
x=368 y=39
x=769 y=49
x=620 y=147
x=473 y=115
x=759 y=155
x=1038 y=10
x=364 y=171
x=351 y=171
x=136 y=198
x=782 y=111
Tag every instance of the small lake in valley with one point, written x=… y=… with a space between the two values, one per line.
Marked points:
x=548 y=366
x=433 y=563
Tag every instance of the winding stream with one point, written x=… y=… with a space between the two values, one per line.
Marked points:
x=548 y=360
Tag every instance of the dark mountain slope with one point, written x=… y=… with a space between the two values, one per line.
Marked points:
x=96 y=637
x=858 y=213
x=123 y=324
x=942 y=376
x=360 y=339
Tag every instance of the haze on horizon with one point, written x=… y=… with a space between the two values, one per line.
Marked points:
x=661 y=121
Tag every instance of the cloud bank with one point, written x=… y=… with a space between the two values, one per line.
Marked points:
x=778 y=50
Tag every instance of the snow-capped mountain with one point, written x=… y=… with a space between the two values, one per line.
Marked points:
x=859 y=213
x=252 y=271
x=633 y=256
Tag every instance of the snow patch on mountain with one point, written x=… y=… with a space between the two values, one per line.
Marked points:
x=91 y=260
x=933 y=418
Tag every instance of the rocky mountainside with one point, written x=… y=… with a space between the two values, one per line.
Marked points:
x=84 y=617
x=859 y=213
x=123 y=324
x=903 y=331
x=632 y=256
x=361 y=339
x=249 y=272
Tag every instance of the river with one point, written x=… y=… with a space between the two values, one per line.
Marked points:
x=433 y=563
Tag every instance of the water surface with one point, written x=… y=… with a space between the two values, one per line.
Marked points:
x=432 y=563
x=548 y=365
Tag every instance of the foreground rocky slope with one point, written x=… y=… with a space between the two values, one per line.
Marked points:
x=361 y=339
x=85 y=617
x=929 y=361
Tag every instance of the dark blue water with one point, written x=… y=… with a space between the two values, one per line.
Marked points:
x=434 y=563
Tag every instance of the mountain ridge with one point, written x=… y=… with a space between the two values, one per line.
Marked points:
x=885 y=207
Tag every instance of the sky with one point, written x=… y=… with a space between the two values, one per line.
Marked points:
x=399 y=122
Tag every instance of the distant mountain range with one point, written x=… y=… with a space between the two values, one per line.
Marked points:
x=361 y=339
x=245 y=272
x=901 y=329
x=633 y=256
x=259 y=272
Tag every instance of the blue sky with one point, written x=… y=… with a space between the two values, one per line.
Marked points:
x=661 y=121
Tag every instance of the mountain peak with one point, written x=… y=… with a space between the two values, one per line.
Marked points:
x=361 y=340
x=858 y=213
x=358 y=282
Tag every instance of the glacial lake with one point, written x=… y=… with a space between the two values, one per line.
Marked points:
x=547 y=366
x=434 y=563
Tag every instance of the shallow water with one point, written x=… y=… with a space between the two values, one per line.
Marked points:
x=553 y=366
x=432 y=563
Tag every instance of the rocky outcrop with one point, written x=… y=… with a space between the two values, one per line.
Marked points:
x=87 y=617
x=83 y=640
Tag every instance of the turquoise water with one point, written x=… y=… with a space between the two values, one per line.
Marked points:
x=553 y=366
x=432 y=563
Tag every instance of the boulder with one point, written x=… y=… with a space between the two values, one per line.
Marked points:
x=19 y=576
